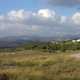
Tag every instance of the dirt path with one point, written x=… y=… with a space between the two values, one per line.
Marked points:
x=76 y=55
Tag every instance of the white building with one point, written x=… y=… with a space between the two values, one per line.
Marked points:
x=78 y=40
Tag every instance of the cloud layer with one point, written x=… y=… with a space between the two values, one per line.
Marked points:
x=44 y=22
x=67 y=3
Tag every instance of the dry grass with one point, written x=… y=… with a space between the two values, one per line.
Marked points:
x=34 y=65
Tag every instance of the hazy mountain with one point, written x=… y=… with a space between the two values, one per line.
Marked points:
x=13 y=41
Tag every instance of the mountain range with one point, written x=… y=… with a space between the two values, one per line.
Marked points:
x=14 y=41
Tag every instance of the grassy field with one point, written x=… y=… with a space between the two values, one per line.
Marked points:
x=35 y=65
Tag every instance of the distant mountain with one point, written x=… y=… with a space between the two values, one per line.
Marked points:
x=14 y=41
x=10 y=42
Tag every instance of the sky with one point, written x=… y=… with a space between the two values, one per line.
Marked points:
x=47 y=18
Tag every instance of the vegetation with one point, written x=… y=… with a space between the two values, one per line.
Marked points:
x=59 y=46
x=39 y=61
x=53 y=46
x=35 y=65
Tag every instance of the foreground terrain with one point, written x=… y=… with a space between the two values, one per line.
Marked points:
x=35 y=65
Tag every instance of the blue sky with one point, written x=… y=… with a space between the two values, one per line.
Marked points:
x=39 y=17
x=33 y=5
x=6 y=5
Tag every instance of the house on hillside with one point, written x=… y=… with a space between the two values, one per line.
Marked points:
x=78 y=40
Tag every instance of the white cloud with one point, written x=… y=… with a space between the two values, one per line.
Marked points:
x=63 y=19
x=43 y=22
x=16 y=15
x=46 y=13
x=76 y=18
x=1 y=17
